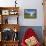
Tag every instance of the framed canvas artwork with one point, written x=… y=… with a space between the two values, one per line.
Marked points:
x=5 y=12
x=30 y=13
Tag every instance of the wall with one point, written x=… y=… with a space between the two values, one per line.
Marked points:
x=32 y=4
x=7 y=3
